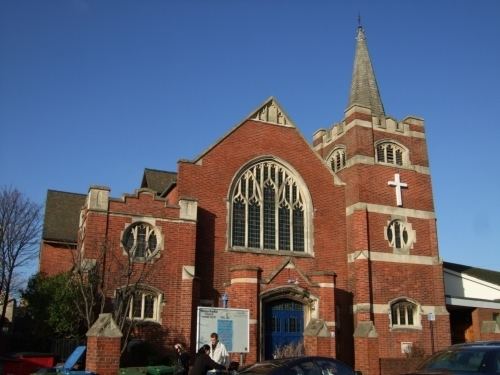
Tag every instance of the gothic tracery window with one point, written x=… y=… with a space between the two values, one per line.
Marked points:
x=268 y=210
x=390 y=153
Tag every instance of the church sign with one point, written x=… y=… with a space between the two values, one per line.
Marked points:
x=230 y=324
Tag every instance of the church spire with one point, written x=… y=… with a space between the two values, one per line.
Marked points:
x=364 y=89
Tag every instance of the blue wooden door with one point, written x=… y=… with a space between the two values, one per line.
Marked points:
x=284 y=325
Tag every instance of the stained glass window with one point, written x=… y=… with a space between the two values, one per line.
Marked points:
x=268 y=209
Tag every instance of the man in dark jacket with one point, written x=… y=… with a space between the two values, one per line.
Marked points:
x=203 y=362
x=182 y=360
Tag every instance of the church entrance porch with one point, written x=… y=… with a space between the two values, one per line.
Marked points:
x=283 y=326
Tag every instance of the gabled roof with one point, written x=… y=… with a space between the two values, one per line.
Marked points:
x=270 y=112
x=159 y=181
x=479 y=273
x=364 y=88
x=62 y=215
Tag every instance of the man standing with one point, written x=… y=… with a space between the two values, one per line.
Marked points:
x=218 y=351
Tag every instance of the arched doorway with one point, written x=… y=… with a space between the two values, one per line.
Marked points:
x=283 y=324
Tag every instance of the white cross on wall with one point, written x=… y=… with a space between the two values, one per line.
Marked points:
x=398 y=185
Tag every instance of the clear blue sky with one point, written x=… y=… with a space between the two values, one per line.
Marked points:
x=94 y=91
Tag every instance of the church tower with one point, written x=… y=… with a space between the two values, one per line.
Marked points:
x=395 y=273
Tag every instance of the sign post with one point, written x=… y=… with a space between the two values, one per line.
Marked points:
x=431 y=318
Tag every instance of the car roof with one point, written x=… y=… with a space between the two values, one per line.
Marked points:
x=294 y=359
x=478 y=343
x=279 y=362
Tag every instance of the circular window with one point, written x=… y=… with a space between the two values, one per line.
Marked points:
x=398 y=234
x=140 y=240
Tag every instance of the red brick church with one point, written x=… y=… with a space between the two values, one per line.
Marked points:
x=333 y=243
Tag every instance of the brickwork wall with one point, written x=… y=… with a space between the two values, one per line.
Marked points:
x=55 y=259
x=244 y=293
x=103 y=355
x=396 y=366
x=249 y=277
x=380 y=282
x=367 y=356
x=163 y=272
x=479 y=315
x=322 y=346
x=211 y=184
x=423 y=340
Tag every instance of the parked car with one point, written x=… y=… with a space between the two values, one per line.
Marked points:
x=299 y=366
x=473 y=343
x=470 y=358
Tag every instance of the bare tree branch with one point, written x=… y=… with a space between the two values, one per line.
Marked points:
x=19 y=238
x=107 y=283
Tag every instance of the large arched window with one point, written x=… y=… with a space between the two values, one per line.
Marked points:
x=269 y=209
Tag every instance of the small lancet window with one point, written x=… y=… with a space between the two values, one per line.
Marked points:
x=404 y=313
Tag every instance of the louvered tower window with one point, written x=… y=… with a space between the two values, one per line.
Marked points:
x=337 y=159
x=268 y=209
x=390 y=153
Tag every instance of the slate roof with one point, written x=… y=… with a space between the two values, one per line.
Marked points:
x=479 y=273
x=364 y=88
x=159 y=181
x=62 y=215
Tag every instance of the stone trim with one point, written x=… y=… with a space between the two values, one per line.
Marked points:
x=104 y=326
x=384 y=308
x=188 y=209
x=330 y=135
x=244 y=280
x=145 y=218
x=188 y=272
x=369 y=160
x=365 y=329
x=389 y=210
x=377 y=256
x=326 y=285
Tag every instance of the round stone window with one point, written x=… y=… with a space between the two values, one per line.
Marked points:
x=140 y=240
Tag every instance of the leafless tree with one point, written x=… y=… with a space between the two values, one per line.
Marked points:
x=19 y=238
x=107 y=282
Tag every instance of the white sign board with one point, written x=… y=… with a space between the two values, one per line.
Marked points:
x=230 y=324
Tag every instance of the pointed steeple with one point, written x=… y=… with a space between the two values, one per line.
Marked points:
x=364 y=89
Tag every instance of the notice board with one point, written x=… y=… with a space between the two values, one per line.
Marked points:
x=230 y=324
